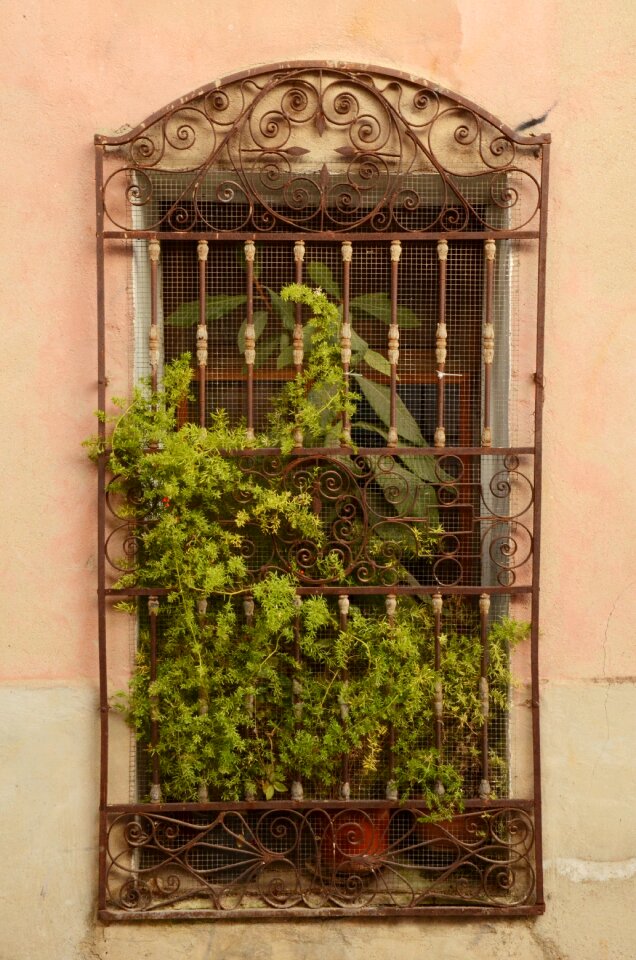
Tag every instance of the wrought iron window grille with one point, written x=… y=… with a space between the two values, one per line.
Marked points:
x=424 y=218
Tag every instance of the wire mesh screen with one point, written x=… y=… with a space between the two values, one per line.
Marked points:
x=370 y=307
x=333 y=702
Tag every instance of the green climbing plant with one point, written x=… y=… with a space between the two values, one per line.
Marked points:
x=257 y=690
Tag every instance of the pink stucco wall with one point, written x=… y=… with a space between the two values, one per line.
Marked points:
x=69 y=71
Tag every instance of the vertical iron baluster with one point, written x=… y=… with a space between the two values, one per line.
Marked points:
x=250 y=700
x=484 y=607
x=297 y=342
x=202 y=609
x=438 y=699
x=154 y=248
x=250 y=335
x=345 y=787
x=391 y=786
x=297 y=792
x=345 y=333
x=488 y=340
x=155 y=786
x=440 y=342
x=202 y=329
x=394 y=343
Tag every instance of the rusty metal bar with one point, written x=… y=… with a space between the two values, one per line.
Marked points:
x=471 y=803
x=484 y=695
x=297 y=792
x=297 y=338
x=343 y=608
x=154 y=249
x=250 y=700
x=536 y=556
x=345 y=335
x=440 y=342
x=202 y=609
x=155 y=786
x=101 y=525
x=299 y=256
x=353 y=590
x=391 y=786
x=202 y=330
x=250 y=336
x=488 y=340
x=394 y=343
x=321 y=235
x=438 y=701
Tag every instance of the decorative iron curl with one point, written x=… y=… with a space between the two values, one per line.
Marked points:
x=128 y=547
x=503 y=549
x=135 y=894
x=278 y=833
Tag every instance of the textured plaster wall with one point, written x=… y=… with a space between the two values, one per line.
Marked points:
x=68 y=73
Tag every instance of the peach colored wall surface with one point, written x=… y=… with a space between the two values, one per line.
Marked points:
x=70 y=70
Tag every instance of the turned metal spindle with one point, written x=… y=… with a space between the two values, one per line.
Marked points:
x=345 y=333
x=391 y=786
x=297 y=792
x=250 y=700
x=345 y=787
x=250 y=335
x=441 y=335
x=488 y=340
x=155 y=785
x=202 y=329
x=484 y=608
x=202 y=609
x=394 y=343
x=154 y=249
x=438 y=697
x=297 y=339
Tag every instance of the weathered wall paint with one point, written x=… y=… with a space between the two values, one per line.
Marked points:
x=67 y=75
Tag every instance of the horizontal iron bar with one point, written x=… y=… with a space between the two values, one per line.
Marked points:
x=321 y=235
x=280 y=805
x=378 y=452
x=335 y=590
x=298 y=913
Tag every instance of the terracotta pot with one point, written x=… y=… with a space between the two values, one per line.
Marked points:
x=447 y=840
x=355 y=841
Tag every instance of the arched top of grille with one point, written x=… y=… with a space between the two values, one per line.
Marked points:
x=322 y=148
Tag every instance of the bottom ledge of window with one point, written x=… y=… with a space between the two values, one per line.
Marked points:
x=375 y=913
x=310 y=861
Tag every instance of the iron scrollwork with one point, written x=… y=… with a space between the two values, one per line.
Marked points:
x=324 y=150
x=318 y=859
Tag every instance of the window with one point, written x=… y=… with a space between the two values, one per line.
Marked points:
x=334 y=690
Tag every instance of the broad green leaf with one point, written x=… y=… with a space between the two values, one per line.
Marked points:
x=265 y=349
x=285 y=310
x=260 y=321
x=322 y=277
x=358 y=345
x=377 y=362
x=285 y=357
x=361 y=425
x=378 y=305
x=379 y=397
x=424 y=468
x=187 y=315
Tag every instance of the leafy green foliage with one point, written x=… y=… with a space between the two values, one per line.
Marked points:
x=251 y=704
